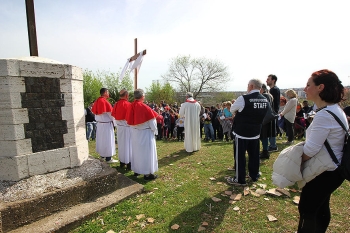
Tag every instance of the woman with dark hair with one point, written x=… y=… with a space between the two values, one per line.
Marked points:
x=325 y=89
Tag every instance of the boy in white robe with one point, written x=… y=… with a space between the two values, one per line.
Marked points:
x=105 y=140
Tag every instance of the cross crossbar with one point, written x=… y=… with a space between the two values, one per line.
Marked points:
x=133 y=58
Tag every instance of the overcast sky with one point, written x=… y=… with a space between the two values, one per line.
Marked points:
x=290 y=39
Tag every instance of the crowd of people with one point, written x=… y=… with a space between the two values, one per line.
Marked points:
x=139 y=124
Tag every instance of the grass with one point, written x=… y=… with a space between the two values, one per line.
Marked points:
x=182 y=194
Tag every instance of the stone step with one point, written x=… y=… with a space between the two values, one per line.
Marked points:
x=85 y=190
x=68 y=219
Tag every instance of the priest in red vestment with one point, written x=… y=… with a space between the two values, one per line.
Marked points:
x=105 y=141
x=143 y=126
x=123 y=130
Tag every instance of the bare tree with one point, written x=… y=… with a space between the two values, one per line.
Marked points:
x=197 y=75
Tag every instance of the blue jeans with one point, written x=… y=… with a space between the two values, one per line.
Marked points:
x=272 y=142
x=209 y=131
x=90 y=130
x=265 y=143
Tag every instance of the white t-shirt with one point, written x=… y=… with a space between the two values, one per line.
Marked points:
x=180 y=122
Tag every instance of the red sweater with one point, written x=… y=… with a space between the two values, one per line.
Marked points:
x=160 y=119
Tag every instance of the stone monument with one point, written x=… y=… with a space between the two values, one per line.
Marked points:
x=44 y=151
x=42 y=124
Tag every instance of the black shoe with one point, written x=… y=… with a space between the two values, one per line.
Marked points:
x=122 y=165
x=250 y=179
x=136 y=174
x=265 y=155
x=150 y=177
x=128 y=166
x=272 y=149
x=235 y=182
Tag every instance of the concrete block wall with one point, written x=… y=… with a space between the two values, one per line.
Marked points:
x=17 y=159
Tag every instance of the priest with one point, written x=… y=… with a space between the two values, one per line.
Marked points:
x=123 y=130
x=143 y=127
x=190 y=110
x=105 y=141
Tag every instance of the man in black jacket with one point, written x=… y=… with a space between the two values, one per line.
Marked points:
x=214 y=121
x=276 y=94
x=249 y=110
x=90 y=123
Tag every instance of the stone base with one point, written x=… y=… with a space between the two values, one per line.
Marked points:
x=41 y=102
x=63 y=209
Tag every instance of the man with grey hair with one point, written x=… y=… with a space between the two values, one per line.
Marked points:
x=249 y=110
x=143 y=126
x=190 y=110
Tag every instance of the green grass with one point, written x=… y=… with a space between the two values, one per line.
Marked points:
x=182 y=195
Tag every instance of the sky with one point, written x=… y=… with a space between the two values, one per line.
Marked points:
x=253 y=38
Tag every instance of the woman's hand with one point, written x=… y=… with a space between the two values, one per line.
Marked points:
x=305 y=157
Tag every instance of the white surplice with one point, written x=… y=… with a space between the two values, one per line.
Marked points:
x=191 y=113
x=124 y=143
x=105 y=141
x=144 y=152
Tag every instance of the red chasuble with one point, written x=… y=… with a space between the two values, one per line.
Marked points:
x=139 y=113
x=101 y=105
x=119 y=109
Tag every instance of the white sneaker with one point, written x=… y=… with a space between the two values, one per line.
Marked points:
x=113 y=161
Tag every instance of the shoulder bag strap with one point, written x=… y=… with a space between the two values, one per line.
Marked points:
x=338 y=120
x=331 y=153
x=329 y=149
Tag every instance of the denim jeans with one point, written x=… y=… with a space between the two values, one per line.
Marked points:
x=90 y=130
x=265 y=143
x=209 y=131
x=272 y=141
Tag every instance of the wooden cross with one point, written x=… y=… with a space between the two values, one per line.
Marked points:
x=33 y=45
x=133 y=58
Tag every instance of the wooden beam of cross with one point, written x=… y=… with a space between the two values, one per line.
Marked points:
x=133 y=58
x=33 y=45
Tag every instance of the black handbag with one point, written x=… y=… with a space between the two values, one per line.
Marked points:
x=270 y=115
